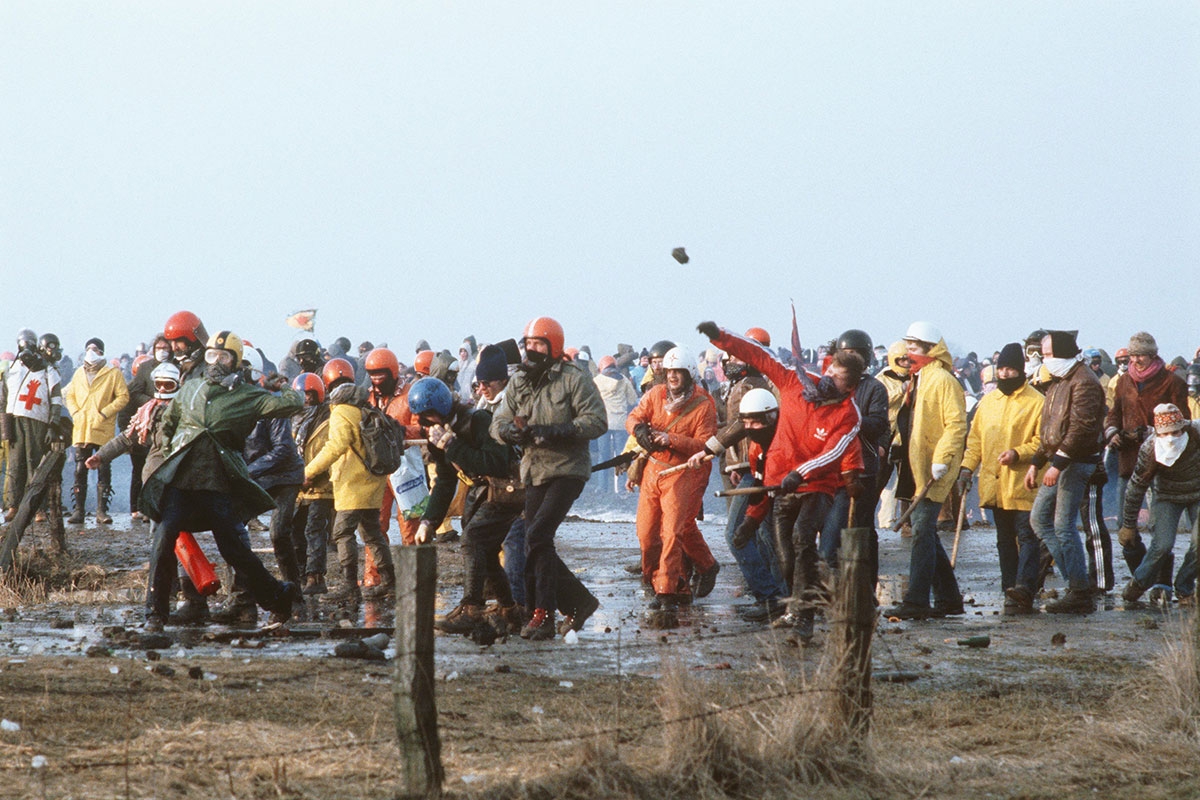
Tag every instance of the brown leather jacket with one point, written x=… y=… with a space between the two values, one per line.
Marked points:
x=1133 y=412
x=1072 y=419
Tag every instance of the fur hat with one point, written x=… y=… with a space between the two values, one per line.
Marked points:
x=1142 y=344
x=1168 y=418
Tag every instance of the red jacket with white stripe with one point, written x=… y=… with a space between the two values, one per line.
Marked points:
x=820 y=441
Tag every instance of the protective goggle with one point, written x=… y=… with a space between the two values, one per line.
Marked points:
x=166 y=386
x=214 y=355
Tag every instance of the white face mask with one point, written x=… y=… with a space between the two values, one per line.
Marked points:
x=1168 y=447
x=1059 y=367
x=92 y=357
x=162 y=354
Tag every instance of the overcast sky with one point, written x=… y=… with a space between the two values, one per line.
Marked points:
x=429 y=170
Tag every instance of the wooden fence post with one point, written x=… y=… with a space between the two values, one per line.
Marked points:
x=412 y=686
x=48 y=472
x=853 y=628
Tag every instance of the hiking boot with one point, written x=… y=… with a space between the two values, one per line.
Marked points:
x=314 y=583
x=506 y=619
x=463 y=619
x=102 y=517
x=1018 y=600
x=380 y=591
x=1132 y=591
x=705 y=581
x=906 y=610
x=758 y=612
x=949 y=609
x=1075 y=601
x=190 y=612
x=540 y=626
x=236 y=614
x=576 y=620
x=76 y=517
x=153 y=624
x=289 y=597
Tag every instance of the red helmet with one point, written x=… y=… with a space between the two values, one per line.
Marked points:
x=423 y=362
x=185 y=325
x=309 y=382
x=137 y=362
x=548 y=330
x=606 y=362
x=1122 y=353
x=759 y=335
x=337 y=370
x=382 y=358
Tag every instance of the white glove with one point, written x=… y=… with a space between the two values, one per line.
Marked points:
x=939 y=471
x=422 y=535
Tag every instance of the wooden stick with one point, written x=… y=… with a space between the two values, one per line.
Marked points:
x=681 y=467
x=962 y=516
x=898 y=524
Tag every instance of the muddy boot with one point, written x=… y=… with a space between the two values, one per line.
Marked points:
x=463 y=619
x=190 y=612
x=540 y=627
x=239 y=609
x=78 y=501
x=314 y=583
x=1133 y=591
x=349 y=593
x=1075 y=601
x=102 y=494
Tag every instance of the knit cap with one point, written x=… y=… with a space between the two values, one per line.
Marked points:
x=1168 y=418
x=1012 y=355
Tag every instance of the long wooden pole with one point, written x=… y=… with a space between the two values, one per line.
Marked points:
x=413 y=685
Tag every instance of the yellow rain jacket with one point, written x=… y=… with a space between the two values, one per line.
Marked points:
x=354 y=487
x=94 y=406
x=1005 y=422
x=939 y=424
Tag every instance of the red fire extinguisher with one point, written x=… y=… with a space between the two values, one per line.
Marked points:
x=196 y=564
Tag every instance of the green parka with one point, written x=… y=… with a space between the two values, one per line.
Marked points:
x=223 y=417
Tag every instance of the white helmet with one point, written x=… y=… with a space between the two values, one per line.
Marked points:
x=253 y=361
x=166 y=371
x=757 y=401
x=679 y=357
x=923 y=332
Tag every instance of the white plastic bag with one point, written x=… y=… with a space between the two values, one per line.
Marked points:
x=408 y=484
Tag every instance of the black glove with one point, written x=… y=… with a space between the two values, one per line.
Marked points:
x=744 y=533
x=791 y=482
x=642 y=433
x=709 y=329
x=514 y=435
x=542 y=434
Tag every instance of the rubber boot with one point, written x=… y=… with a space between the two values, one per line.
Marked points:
x=370 y=570
x=349 y=593
x=78 y=500
x=103 y=493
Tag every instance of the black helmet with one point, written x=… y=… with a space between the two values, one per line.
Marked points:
x=659 y=349
x=858 y=341
x=307 y=347
x=51 y=347
x=1036 y=337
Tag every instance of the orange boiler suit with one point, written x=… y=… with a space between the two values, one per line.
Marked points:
x=667 y=508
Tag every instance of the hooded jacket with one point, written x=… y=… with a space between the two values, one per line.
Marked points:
x=354 y=486
x=938 y=430
x=94 y=406
x=1005 y=422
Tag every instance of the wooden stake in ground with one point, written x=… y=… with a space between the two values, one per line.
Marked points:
x=853 y=627
x=412 y=686
x=48 y=472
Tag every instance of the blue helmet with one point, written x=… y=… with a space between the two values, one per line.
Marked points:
x=430 y=394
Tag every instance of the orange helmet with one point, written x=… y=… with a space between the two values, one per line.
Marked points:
x=759 y=335
x=423 y=362
x=1122 y=353
x=337 y=370
x=606 y=362
x=137 y=362
x=571 y=352
x=382 y=358
x=548 y=330
x=309 y=382
x=185 y=325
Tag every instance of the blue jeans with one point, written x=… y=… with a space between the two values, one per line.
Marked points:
x=757 y=560
x=928 y=565
x=514 y=559
x=1165 y=522
x=1018 y=547
x=1054 y=515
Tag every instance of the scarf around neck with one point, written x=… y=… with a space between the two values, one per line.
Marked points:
x=1140 y=375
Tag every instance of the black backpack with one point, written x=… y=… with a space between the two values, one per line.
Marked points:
x=383 y=442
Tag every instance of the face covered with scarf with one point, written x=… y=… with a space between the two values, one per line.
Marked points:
x=220 y=365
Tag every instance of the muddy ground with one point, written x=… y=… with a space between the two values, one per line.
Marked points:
x=1053 y=707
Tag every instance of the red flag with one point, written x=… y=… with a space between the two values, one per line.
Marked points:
x=303 y=320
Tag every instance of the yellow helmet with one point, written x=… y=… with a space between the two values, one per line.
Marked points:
x=227 y=340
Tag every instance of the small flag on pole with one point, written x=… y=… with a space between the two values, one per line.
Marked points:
x=303 y=320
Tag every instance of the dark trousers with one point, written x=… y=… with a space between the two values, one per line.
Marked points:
x=1019 y=549
x=548 y=582
x=485 y=527
x=310 y=534
x=24 y=455
x=366 y=521
x=137 y=457
x=103 y=475
x=282 y=535
x=798 y=519
x=204 y=511
x=514 y=559
x=838 y=518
